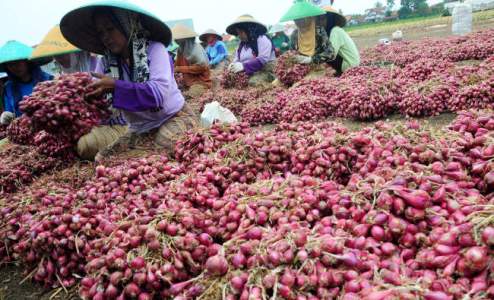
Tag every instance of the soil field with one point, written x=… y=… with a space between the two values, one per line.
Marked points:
x=415 y=30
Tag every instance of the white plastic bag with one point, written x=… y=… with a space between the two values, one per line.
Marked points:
x=384 y=41
x=397 y=35
x=462 y=19
x=215 y=112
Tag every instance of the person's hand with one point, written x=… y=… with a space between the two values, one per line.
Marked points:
x=302 y=59
x=6 y=118
x=237 y=67
x=104 y=85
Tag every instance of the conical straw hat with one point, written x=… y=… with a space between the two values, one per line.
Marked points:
x=302 y=9
x=180 y=32
x=203 y=36
x=77 y=26
x=340 y=19
x=245 y=19
x=53 y=44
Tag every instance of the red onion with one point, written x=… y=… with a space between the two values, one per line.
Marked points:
x=216 y=265
x=437 y=295
x=488 y=236
x=476 y=258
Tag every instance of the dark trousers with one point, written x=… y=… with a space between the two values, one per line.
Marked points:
x=337 y=65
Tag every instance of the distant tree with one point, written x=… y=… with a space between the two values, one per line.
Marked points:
x=411 y=8
x=390 y=4
x=404 y=12
x=378 y=4
x=421 y=8
x=389 y=7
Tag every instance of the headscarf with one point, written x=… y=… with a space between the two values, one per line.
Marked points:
x=79 y=62
x=253 y=33
x=330 y=23
x=129 y=24
x=193 y=52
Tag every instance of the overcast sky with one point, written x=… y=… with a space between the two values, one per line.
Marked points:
x=29 y=20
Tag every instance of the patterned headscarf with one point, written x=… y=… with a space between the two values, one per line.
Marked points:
x=129 y=24
x=137 y=36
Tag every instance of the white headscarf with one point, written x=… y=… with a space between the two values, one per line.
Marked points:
x=79 y=62
x=193 y=52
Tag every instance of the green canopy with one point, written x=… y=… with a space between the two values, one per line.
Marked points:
x=14 y=50
x=302 y=9
x=77 y=26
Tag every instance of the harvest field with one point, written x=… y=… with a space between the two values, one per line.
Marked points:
x=288 y=204
x=368 y=35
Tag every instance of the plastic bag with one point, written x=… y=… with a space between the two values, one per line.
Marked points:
x=384 y=41
x=397 y=35
x=215 y=112
x=462 y=19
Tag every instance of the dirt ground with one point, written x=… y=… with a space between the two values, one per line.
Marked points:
x=415 y=32
x=12 y=283
x=14 y=287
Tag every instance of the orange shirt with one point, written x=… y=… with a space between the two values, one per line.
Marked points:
x=193 y=74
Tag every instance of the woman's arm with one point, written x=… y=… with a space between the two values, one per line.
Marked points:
x=220 y=54
x=194 y=69
x=134 y=97
x=8 y=99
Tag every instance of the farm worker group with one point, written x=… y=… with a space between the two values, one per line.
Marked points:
x=134 y=58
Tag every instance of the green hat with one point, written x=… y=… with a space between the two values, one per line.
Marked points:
x=14 y=50
x=78 y=28
x=302 y=9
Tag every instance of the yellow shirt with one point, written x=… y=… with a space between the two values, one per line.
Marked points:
x=306 y=36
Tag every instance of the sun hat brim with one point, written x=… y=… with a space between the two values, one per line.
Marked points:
x=78 y=28
x=245 y=20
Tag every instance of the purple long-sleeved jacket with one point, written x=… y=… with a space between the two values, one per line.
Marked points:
x=148 y=105
x=252 y=63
